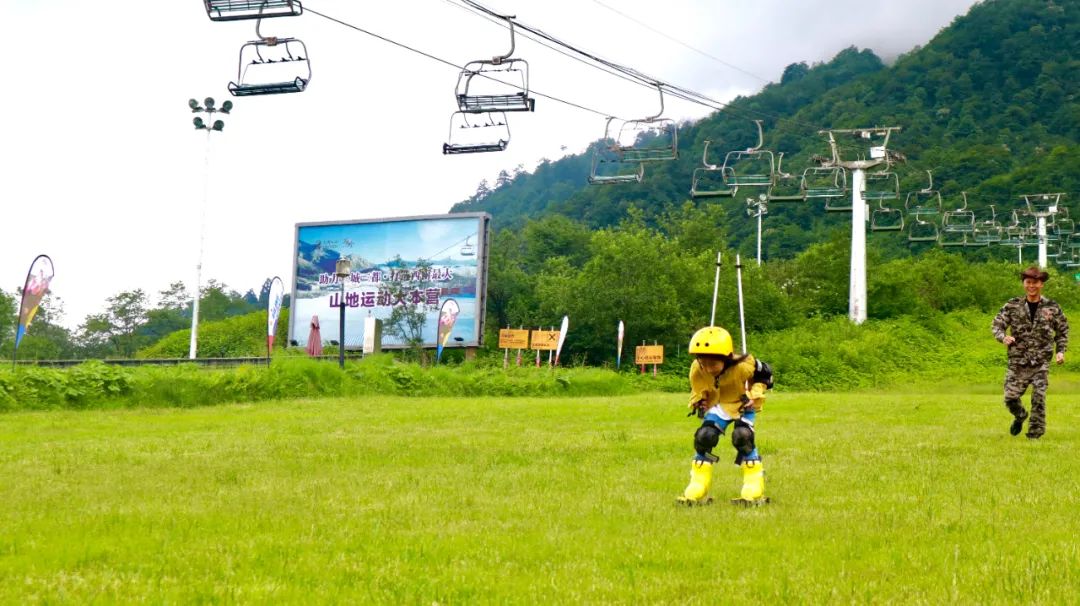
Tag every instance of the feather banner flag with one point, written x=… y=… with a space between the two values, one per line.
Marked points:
x=273 y=310
x=618 y=352
x=562 y=337
x=448 y=314
x=37 y=284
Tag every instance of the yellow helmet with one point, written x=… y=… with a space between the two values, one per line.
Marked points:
x=711 y=340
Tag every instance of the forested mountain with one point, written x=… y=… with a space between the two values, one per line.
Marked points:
x=989 y=105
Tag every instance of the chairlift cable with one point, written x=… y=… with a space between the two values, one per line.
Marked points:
x=441 y=60
x=502 y=23
x=681 y=43
x=642 y=78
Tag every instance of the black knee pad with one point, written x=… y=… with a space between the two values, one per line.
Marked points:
x=706 y=438
x=742 y=438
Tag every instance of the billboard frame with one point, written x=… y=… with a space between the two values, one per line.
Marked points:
x=482 y=255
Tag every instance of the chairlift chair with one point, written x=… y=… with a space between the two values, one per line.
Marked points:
x=882 y=185
x=499 y=84
x=1016 y=233
x=236 y=10
x=1054 y=252
x=884 y=218
x=825 y=182
x=960 y=220
x=949 y=239
x=754 y=167
x=1070 y=258
x=923 y=202
x=468 y=250
x=785 y=187
x=650 y=139
x=271 y=66
x=921 y=230
x=610 y=169
x=484 y=86
x=472 y=133
x=988 y=231
x=1065 y=225
x=708 y=181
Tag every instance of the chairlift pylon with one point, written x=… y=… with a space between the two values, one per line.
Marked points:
x=499 y=84
x=472 y=133
x=1043 y=204
x=236 y=10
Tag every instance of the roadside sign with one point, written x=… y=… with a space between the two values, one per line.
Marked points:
x=512 y=338
x=547 y=340
x=649 y=354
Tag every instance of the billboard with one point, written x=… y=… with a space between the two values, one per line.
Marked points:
x=410 y=264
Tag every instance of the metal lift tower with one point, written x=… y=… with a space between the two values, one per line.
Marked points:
x=879 y=154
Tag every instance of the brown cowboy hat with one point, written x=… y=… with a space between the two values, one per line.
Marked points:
x=1034 y=273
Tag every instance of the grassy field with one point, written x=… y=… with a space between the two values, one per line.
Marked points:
x=910 y=498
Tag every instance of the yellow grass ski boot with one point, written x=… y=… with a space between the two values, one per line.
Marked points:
x=697 y=491
x=753 y=488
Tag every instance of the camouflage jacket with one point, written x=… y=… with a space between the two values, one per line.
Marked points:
x=1035 y=340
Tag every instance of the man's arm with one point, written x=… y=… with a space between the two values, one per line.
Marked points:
x=998 y=326
x=1061 y=331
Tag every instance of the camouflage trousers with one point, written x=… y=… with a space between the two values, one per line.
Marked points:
x=1017 y=379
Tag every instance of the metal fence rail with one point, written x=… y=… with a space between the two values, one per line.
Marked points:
x=203 y=362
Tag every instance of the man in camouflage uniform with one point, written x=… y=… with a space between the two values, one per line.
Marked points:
x=1035 y=325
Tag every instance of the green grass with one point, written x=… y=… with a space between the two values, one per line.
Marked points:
x=880 y=497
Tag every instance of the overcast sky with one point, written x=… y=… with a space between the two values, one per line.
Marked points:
x=103 y=171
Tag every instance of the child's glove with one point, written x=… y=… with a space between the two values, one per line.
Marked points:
x=698 y=408
x=747 y=404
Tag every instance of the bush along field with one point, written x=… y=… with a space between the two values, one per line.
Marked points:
x=881 y=496
x=819 y=354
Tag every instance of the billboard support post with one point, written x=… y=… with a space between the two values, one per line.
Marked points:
x=342 y=271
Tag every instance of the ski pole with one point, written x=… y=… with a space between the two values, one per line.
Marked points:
x=716 y=286
x=742 y=319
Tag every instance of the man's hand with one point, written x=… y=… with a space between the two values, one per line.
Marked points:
x=1009 y=340
x=1061 y=357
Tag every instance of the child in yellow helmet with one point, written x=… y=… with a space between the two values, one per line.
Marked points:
x=726 y=390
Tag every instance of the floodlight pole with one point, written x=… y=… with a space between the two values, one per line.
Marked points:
x=857 y=302
x=209 y=109
x=757 y=208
